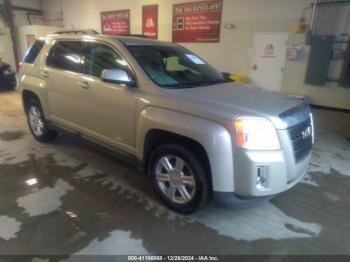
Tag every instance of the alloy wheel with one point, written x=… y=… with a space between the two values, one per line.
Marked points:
x=175 y=179
x=36 y=121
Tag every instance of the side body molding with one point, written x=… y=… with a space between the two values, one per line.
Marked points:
x=214 y=137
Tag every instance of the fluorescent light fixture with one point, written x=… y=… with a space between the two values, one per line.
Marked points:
x=71 y=214
x=32 y=182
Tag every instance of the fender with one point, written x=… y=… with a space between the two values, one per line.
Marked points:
x=214 y=137
x=37 y=86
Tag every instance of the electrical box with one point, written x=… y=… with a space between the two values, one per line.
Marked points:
x=345 y=76
x=320 y=59
x=300 y=27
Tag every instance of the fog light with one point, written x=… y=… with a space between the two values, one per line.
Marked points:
x=261 y=178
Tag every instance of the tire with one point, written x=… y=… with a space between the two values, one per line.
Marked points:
x=36 y=118
x=189 y=189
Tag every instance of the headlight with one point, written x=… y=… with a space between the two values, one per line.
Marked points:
x=255 y=133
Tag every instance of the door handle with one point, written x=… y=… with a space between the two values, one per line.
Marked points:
x=84 y=84
x=45 y=74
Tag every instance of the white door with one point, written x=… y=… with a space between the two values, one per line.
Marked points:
x=268 y=60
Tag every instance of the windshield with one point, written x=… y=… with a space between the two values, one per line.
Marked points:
x=175 y=66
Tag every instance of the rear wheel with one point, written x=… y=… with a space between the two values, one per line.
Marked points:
x=38 y=124
x=179 y=178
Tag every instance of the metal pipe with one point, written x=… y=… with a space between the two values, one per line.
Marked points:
x=313 y=17
x=337 y=2
x=329 y=11
x=324 y=21
x=335 y=12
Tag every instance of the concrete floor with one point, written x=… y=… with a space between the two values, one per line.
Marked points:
x=68 y=198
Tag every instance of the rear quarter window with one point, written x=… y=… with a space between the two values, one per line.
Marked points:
x=33 y=52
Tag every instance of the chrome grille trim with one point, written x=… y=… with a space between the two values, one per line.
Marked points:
x=301 y=145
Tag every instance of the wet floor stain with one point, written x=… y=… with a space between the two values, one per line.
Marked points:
x=101 y=211
x=91 y=215
x=331 y=151
x=117 y=243
x=236 y=225
x=45 y=200
x=11 y=135
x=8 y=227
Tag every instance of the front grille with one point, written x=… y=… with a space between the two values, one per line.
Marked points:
x=301 y=145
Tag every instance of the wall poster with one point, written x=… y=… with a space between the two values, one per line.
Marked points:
x=115 y=22
x=150 y=21
x=197 y=21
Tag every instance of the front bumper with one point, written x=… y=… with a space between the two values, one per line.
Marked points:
x=280 y=173
x=279 y=179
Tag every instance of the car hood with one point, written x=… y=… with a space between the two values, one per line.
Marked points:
x=233 y=99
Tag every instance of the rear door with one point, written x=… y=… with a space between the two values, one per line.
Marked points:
x=106 y=112
x=62 y=71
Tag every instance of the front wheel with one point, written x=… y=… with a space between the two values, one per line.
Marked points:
x=38 y=124
x=179 y=178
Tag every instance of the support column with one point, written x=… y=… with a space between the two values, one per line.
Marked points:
x=9 y=21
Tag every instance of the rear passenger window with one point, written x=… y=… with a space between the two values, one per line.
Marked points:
x=66 y=55
x=33 y=52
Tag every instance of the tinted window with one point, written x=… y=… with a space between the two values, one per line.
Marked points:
x=66 y=55
x=99 y=57
x=33 y=52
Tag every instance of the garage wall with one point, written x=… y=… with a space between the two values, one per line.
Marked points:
x=53 y=12
x=36 y=4
x=232 y=53
x=86 y=14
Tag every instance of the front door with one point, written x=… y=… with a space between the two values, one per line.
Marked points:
x=269 y=60
x=106 y=112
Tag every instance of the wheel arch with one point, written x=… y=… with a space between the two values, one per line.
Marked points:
x=156 y=137
x=211 y=140
x=28 y=95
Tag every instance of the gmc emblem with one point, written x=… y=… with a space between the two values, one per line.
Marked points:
x=306 y=133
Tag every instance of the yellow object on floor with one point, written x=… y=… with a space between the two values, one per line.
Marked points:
x=240 y=78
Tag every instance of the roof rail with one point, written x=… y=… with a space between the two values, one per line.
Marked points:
x=77 y=32
x=137 y=35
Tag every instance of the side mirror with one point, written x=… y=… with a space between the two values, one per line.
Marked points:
x=118 y=76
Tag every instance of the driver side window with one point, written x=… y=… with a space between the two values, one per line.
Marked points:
x=99 y=57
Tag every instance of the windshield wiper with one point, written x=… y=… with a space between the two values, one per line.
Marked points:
x=214 y=82
x=198 y=84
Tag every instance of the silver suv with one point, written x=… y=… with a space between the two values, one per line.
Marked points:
x=199 y=135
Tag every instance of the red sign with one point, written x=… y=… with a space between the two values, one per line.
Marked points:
x=269 y=51
x=115 y=22
x=150 y=21
x=197 y=21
